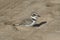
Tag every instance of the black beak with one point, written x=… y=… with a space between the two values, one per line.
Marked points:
x=38 y=15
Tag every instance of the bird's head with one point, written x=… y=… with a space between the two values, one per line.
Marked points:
x=35 y=15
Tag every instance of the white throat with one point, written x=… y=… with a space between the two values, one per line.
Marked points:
x=35 y=17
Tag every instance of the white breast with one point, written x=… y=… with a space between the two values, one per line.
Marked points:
x=31 y=23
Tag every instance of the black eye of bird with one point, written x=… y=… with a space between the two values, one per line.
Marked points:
x=33 y=15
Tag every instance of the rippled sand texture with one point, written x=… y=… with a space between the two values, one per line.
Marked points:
x=14 y=11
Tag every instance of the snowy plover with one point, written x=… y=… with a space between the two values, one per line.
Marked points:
x=29 y=21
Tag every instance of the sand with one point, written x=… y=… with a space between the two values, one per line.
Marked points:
x=14 y=11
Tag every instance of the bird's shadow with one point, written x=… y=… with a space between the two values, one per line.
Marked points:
x=39 y=24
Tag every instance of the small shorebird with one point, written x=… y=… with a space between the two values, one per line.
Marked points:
x=29 y=21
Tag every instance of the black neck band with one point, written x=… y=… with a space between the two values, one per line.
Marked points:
x=33 y=19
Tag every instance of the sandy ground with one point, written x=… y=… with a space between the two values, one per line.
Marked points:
x=14 y=11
